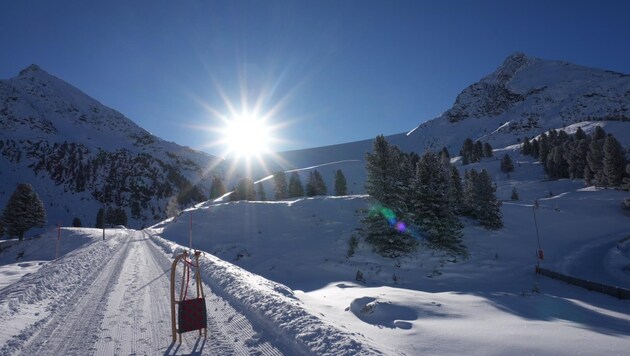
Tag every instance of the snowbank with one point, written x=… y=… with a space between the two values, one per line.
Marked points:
x=274 y=307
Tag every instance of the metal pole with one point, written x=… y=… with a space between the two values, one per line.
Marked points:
x=103 y=221
x=58 y=238
x=190 y=231
x=537 y=237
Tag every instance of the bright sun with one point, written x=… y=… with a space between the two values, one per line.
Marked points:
x=247 y=136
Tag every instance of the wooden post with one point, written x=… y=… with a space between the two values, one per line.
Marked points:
x=199 y=286
x=190 y=231
x=58 y=240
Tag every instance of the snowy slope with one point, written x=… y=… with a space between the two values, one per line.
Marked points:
x=310 y=302
x=490 y=303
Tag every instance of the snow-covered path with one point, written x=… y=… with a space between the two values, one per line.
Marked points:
x=126 y=310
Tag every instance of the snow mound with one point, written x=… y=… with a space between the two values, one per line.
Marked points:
x=383 y=313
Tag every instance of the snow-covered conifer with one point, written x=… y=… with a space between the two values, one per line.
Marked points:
x=296 y=189
x=487 y=150
x=315 y=184
x=434 y=203
x=341 y=186
x=467 y=151
x=477 y=151
x=385 y=221
x=614 y=162
x=217 y=189
x=23 y=211
x=594 y=173
x=526 y=147
x=261 y=192
x=245 y=190
x=489 y=213
x=280 y=185
x=506 y=164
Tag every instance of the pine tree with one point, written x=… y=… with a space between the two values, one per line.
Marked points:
x=598 y=134
x=280 y=185
x=594 y=172
x=217 y=189
x=580 y=134
x=543 y=148
x=296 y=189
x=23 y=211
x=100 y=219
x=76 y=222
x=490 y=215
x=557 y=166
x=445 y=156
x=526 y=148
x=245 y=190
x=234 y=196
x=506 y=164
x=467 y=151
x=535 y=149
x=575 y=155
x=115 y=216
x=315 y=184
x=1 y=228
x=481 y=201
x=614 y=162
x=434 y=203
x=457 y=190
x=261 y=192
x=477 y=151
x=341 y=186
x=626 y=180
x=514 y=195
x=385 y=220
x=487 y=150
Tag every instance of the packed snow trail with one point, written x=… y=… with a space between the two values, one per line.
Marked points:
x=126 y=310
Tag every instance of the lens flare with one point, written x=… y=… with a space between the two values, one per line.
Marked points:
x=390 y=216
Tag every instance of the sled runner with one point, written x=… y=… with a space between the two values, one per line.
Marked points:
x=191 y=313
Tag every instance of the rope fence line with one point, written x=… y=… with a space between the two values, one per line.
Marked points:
x=618 y=292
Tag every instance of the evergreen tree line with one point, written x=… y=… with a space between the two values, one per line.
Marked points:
x=424 y=192
x=110 y=217
x=315 y=185
x=120 y=177
x=472 y=152
x=598 y=158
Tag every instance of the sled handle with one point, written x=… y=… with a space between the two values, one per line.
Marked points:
x=173 y=267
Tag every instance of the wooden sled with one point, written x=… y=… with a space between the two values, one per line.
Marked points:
x=191 y=313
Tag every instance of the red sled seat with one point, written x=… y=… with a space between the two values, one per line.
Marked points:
x=192 y=315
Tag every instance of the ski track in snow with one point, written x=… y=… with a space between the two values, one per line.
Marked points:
x=126 y=310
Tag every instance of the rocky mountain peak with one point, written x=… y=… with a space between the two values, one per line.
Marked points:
x=33 y=68
x=513 y=64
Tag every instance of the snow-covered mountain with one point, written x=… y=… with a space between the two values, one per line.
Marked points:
x=523 y=97
x=78 y=153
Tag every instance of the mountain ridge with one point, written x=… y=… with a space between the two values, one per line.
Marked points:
x=46 y=120
x=52 y=130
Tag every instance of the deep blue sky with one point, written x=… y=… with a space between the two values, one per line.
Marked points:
x=344 y=70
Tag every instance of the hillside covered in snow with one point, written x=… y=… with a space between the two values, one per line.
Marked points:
x=81 y=155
